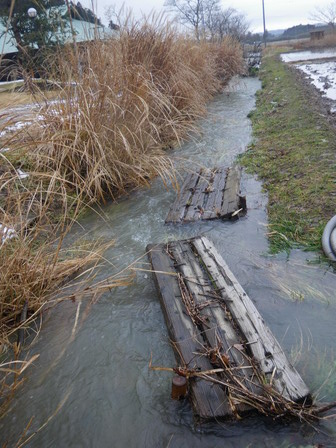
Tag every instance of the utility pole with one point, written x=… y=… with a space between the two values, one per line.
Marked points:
x=264 y=20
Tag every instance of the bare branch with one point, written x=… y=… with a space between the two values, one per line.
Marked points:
x=207 y=18
x=326 y=15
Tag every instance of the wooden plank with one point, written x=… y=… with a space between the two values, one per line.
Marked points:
x=231 y=198
x=208 y=400
x=265 y=348
x=213 y=195
x=219 y=322
x=196 y=208
x=214 y=202
x=177 y=212
x=218 y=331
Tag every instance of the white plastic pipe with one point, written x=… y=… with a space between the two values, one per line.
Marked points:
x=329 y=239
x=333 y=241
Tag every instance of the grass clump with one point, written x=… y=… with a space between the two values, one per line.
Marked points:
x=294 y=154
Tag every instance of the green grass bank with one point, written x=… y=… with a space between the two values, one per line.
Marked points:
x=293 y=153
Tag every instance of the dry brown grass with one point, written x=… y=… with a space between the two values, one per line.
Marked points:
x=37 y=268
x=328 y=41
x=38 y=271
x=131 y=99
x=36 y=262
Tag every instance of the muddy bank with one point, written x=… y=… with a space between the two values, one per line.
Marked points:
x=319 y=102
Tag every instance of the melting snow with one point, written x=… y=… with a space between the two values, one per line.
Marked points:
x=6 y=233
x=323 y=76
x=15 y=127
x=22 y=174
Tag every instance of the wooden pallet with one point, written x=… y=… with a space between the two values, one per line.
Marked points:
x=208 y=194
x=229 y=321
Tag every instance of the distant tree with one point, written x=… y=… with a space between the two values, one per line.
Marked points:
x=113 y=17
x=212 y=11
x=190 y=13
x=252 y=38
x=326 y=15
x=297 y=31
x=232 y=23
x=208 y=19
x=268 y=36
x=113 y=26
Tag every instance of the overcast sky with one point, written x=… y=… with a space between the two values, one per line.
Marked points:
x=279 y=13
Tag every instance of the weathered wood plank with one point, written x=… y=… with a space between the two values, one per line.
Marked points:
x=195 y=210
x=214 y=201
x=209 y=400
x=263 y=345
x=213 y=195
x=213 y=323
x=217 y=331
x=177 y=211
x=231 y=198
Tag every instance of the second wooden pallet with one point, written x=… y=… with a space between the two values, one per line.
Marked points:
x=209 y=194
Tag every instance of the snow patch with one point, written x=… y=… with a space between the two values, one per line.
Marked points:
x=323 y=77
x=15 y=127
x=6 y=233
x=22 y=174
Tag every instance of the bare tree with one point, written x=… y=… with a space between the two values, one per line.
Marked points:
x=189 y=12
x=211 y=9
x=117 y=17
x=112 y=15
x=326 y=15
x=230 y=22
x=208 y=19
x=223 y=21
x=238 y=26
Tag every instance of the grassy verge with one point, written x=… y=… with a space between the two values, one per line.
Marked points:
x=294 y=154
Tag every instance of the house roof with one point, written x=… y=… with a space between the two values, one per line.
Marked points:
x=84 y=32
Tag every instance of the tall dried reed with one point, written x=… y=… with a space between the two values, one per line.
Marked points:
x=36 y=266
x=128 y=100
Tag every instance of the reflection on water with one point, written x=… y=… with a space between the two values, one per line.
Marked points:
x=113 y=399
x=309 y=55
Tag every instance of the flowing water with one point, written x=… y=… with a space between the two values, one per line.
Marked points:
x=101 y=375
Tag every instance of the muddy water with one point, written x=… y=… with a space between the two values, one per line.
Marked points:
x=101 y=376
